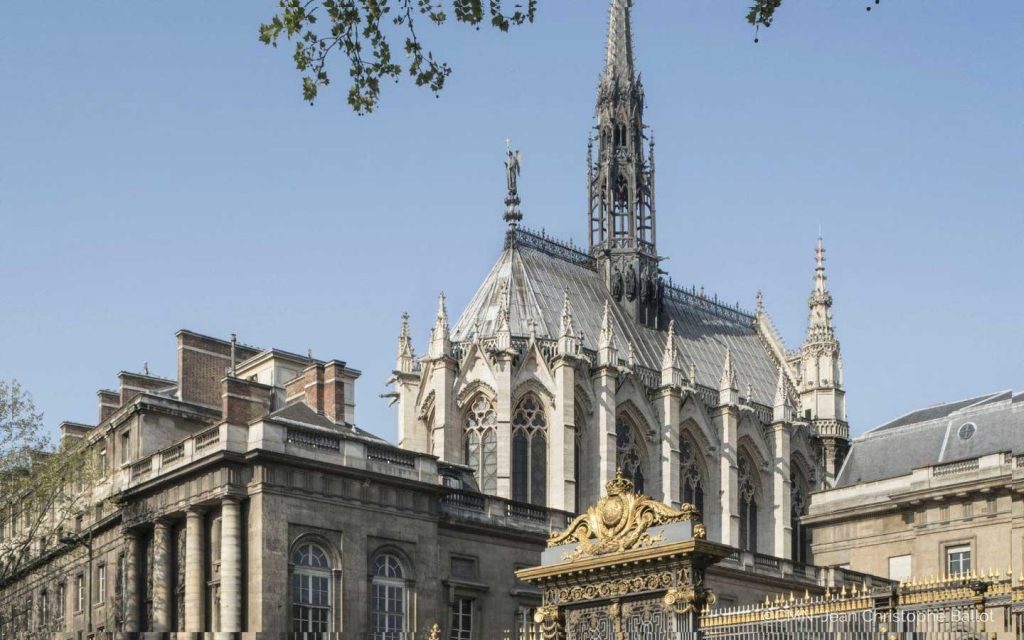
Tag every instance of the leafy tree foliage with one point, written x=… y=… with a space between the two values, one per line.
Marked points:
x=42 y=486
x=363 y=32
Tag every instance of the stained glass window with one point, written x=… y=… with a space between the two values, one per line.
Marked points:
x=529 y=452
x=482 y=444
x=628 y=456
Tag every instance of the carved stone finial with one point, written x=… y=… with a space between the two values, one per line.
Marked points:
x=435 y=632
x=728 y=379
x=405 y=350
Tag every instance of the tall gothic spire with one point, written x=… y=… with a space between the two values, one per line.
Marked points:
x=621 y=193
x=618 y=65
x=620 y=178
x=819 y=326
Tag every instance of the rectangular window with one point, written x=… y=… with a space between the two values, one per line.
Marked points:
x=103 y=462
x=958 y=559
x=61 y=595
x=900 y=568
x=79 y=593
x=990 y=506
x=462 y=620
x=125 y=441
x=968 y=509
x=44 y=608
x=101 y=584
x=78 y=524
x=943 y=514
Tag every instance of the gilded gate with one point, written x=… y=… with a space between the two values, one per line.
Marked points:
x=630 y=567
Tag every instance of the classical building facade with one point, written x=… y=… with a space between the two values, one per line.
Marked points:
x=570 y=363
x=240 y=496
x=937 y=492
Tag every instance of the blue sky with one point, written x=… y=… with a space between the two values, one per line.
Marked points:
x=158 y=170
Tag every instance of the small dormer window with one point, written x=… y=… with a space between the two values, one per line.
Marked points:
x=967 y=430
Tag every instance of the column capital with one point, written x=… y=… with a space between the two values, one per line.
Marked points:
x=782 y=426
x=194 y=510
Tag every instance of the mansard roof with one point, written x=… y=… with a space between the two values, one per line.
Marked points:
x=537 y=271
x=932 y=436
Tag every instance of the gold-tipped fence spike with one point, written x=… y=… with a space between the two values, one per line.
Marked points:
x=807 y=594
x=791 y=598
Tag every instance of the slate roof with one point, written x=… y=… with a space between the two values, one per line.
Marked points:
x=302 y=414
x=537 y=272
x=931 y=436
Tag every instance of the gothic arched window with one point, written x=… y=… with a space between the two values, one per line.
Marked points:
x=690 y=476
x=529 y=452
x=389 y=599
x=747 y=505
x=311 y=590
x=801 y=540
x=628 y=452
x=482 y=443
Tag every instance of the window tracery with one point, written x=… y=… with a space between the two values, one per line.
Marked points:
x=529 y=451
x=691 y=477
x=748 y=495
x=629 y=452
x=481 y=440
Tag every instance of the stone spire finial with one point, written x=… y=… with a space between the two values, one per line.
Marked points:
x=568 y=341
x=671 y=374
x=513 y=166
x=606 y=352
x=781 y=410
x=728 y=379
x=440 y=337
x=693 y=373
x=404 y=363
x=631 y=356
x=820 y=301
x=668 y=354
x=503 y=329
x=759 y=309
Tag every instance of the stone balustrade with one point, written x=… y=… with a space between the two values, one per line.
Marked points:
x=491 y=510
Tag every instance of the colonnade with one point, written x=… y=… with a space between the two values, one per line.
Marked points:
x=196 y=555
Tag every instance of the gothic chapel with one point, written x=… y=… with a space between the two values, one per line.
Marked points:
x=568 y=364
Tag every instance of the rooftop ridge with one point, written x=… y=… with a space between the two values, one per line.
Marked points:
x=568 y=251
x=700 y=299
x=895 y=423
x=550 y=245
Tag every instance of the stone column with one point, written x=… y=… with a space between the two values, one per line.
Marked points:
x=668 y=404
x=195 y=574
x=503 y=372
x=603 y=439
x=162 y=552
x=727 y=419
x=783 y=533
x=231 y=565
x=561 y=440
x=131 y=582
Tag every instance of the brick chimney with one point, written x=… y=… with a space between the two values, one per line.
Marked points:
x=328 y=388
x=243 y=401
x=110 y=401
x=307 y=387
